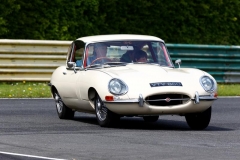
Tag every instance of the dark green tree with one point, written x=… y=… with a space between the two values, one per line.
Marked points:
x=183 y=21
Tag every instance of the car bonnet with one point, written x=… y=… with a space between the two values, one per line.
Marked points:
x=151 y=73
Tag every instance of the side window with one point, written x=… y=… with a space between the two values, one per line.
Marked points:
x=69 y=55
x=79 y=57
x=76 y=53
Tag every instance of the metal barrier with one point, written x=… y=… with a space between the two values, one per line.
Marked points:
x=31 y=60
x=222 y=62
x=35 y=60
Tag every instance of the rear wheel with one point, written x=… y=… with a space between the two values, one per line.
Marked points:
x=199 y=121
x=105 y=117
x=150 y=118
x=63 y=111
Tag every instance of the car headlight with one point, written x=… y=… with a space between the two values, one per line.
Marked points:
x=117 y=87
x=207 y=83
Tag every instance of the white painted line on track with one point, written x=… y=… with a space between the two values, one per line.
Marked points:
x=31 y=156
x=229 y=97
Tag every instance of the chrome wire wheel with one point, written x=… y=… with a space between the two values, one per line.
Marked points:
x=59 y=103
x=62 y=110
x=105 y=117
x=101 y=110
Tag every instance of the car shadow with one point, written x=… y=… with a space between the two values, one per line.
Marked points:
x=139 y=123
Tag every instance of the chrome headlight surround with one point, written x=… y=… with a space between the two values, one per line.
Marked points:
x=117 y=87
x=207 y=83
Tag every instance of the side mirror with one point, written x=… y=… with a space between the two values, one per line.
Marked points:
x=71 y=64
x=178 y=61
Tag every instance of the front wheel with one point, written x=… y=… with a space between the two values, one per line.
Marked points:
x=105 y=117
x=150 y=118
x=199 y=121
x=63 y=111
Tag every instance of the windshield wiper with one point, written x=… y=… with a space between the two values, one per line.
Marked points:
x=95 y=66
x=141 y=62
x=112 y=64
x=106 y=65
x=157 y=64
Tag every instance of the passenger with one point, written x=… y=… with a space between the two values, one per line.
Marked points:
x=127 y=57
x=140 y=56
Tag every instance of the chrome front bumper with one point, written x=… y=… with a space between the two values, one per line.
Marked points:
x=197 y=98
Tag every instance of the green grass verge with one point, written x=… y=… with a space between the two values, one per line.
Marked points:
x=24 y=90
x=228 y=89
x=42 y=90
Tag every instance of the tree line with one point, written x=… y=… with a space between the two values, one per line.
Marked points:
x=182 y=21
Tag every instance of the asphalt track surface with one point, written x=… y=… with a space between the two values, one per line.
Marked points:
x=31 y=130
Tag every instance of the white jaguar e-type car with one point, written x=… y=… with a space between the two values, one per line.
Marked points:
x=114 y=76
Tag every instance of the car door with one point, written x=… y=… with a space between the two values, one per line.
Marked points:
x=72 y=79
x=69 y=77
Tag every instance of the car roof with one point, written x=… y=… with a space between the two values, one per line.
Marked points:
x=115 y=37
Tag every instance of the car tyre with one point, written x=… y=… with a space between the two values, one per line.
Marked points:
x=199 y=121
x=105 y=117
x=150 y=118
x=63 y=111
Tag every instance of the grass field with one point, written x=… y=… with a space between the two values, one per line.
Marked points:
x=24 y=90
x=41 y=90
x=228 y=89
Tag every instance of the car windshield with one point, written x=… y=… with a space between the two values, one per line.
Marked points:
x=123 y=52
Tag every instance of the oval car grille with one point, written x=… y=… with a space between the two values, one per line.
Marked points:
x=167 y=99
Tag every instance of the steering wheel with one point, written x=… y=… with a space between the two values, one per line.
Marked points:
x=100 y=58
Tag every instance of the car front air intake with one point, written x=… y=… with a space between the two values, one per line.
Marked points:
x=167 y=99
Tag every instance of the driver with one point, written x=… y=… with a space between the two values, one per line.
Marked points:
x=100 y=50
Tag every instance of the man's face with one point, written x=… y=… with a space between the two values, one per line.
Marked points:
x=101 y=51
